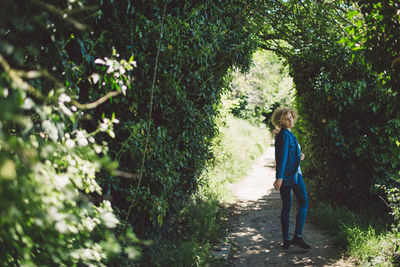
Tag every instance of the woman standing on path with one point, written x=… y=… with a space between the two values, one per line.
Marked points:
x=288 y=175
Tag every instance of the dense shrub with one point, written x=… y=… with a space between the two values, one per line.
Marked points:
x=195 y=55
x=348 y=131
x=349 y=124
x=48 y=160
x=157 y=68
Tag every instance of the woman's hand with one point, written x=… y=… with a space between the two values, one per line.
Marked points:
x=278 y=184
x=302 y=156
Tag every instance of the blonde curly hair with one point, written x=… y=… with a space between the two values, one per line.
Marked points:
x=276 y=118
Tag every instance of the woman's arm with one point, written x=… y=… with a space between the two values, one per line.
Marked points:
x=281 y=154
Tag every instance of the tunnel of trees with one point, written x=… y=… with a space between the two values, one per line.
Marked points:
x=108 y=112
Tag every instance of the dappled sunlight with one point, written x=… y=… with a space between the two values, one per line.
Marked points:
x=255 y=232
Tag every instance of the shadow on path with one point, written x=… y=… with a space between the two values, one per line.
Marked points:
x=255 y=231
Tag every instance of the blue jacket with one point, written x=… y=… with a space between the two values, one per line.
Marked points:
x=287 y=156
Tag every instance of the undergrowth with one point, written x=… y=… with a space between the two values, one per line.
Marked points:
x=367 y=238
x=202 y=222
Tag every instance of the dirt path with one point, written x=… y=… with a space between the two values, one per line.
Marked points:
x=255 y=232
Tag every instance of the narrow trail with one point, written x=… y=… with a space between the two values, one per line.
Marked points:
x=255 y=232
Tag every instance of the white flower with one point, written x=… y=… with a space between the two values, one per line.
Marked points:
x=123 y=89
x=110 y=69
x=65 y=110
x=5 y=92
x=87 y=254
x=51 y=129
x=64 y=98
x=28 y=104
x=54 y=214
x=90 y=224
x=94 y=78
x=61 y=226
x=97 y=149
x=99 y=61
x=61 y=181
x=121 y=70
x=110 y=220
x=81 y=139
x=103 y=127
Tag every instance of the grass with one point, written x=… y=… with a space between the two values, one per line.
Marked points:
x=367 y=238
x=202 y=222
x=237 y=147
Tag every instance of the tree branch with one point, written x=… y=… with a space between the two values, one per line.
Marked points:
x=95 y=103
x=395 y=61
x=125 y=175
x=16 y=77
x=79 y=26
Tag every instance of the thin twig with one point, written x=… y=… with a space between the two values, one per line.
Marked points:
x=149 y=118
x=395 y=61
x=79 y=26
x=95 y=103
x=125 y=175
x=16 y=77
x=384 y=201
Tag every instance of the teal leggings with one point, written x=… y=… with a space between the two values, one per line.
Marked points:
x=300 y=192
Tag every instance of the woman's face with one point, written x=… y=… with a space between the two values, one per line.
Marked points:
x=287 y=121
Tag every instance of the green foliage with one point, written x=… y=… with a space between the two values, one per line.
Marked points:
x=57 y=56
x=232 y=161
x=195 y=55
x=372 y=249
x=186 y=253
x=349 y=122
x=364 y=237
x=56 y=153
x=373 y=35
x=48 y=158
x=334 y=220
x=356 y=144
x=393 y=198
x=266 y=84
x=202 y=220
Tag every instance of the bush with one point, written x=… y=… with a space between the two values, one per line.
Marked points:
x=366 y=237
x=348 y=132
x=202 y=220
x=157 y=68
x=48 y=160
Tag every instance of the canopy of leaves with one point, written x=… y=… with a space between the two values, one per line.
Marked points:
x=267 y=85
x=349 y=124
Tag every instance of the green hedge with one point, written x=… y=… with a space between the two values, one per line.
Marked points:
x=349 y=126
x=55 y=57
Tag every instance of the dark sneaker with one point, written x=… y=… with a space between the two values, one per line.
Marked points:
x=287 y=244
x=298 y=241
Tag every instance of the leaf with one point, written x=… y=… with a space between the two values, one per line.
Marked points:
x=8 y=170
